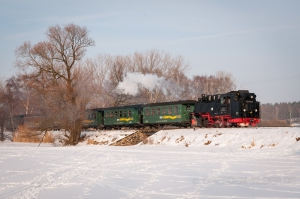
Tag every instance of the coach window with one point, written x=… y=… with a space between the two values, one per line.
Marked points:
x=164 y=111
x=175 y=110
x=129 y=113
x=152 y=111
x=116 y=113
x=158 y=111
x=170 y=110
x=147 y=111
x=124 y=113
x=111 y=114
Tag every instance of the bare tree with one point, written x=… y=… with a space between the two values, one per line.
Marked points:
x=222 y=82
x=100 y=71
x=159 y=63
x=52 y=64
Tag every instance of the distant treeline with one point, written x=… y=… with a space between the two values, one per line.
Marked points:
x=289 y=112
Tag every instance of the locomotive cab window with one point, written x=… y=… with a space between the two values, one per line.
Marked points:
x=209 y=98
x=225 y=100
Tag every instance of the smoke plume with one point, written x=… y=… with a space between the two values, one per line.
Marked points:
x=133 y=81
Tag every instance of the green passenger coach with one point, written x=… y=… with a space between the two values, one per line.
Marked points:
x=168 y=113
x=125 y=116
x=93 y=119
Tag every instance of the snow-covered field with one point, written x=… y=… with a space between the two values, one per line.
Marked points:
x=206 y=163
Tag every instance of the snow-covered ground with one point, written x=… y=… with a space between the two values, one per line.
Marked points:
x=206 y=163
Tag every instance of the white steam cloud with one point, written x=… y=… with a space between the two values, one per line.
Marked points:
x=132 y=82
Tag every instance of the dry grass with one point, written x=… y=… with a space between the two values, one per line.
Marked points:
x=148 y=140
x=24 y=134
x=179 y=139
x=91 y=141
x=48 y=138
x=208 y=142
x=163 y=138
x=273 y=123
x=145 y=141
x=253 y=143
x=298 y=139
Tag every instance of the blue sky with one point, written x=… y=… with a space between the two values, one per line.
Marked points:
x=258 y=41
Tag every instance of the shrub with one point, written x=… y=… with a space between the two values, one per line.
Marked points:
x=24 y=134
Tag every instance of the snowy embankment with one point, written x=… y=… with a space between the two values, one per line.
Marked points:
x=245 y=138
x=237 y=163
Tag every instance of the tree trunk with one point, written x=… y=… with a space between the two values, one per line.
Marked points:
x=75 y=132
x=2 y=131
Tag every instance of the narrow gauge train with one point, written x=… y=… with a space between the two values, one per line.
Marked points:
x=157 y=115
x=233 y=109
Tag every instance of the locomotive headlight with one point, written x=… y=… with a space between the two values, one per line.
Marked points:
x=255 y=110
x=244 y=110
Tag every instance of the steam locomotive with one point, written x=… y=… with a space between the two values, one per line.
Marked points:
x=236 y=108
x=232 y=109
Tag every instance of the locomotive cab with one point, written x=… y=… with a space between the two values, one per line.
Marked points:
x=244 y=108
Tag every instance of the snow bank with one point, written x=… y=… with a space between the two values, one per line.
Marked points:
x=162 y=168
x=244 y=138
